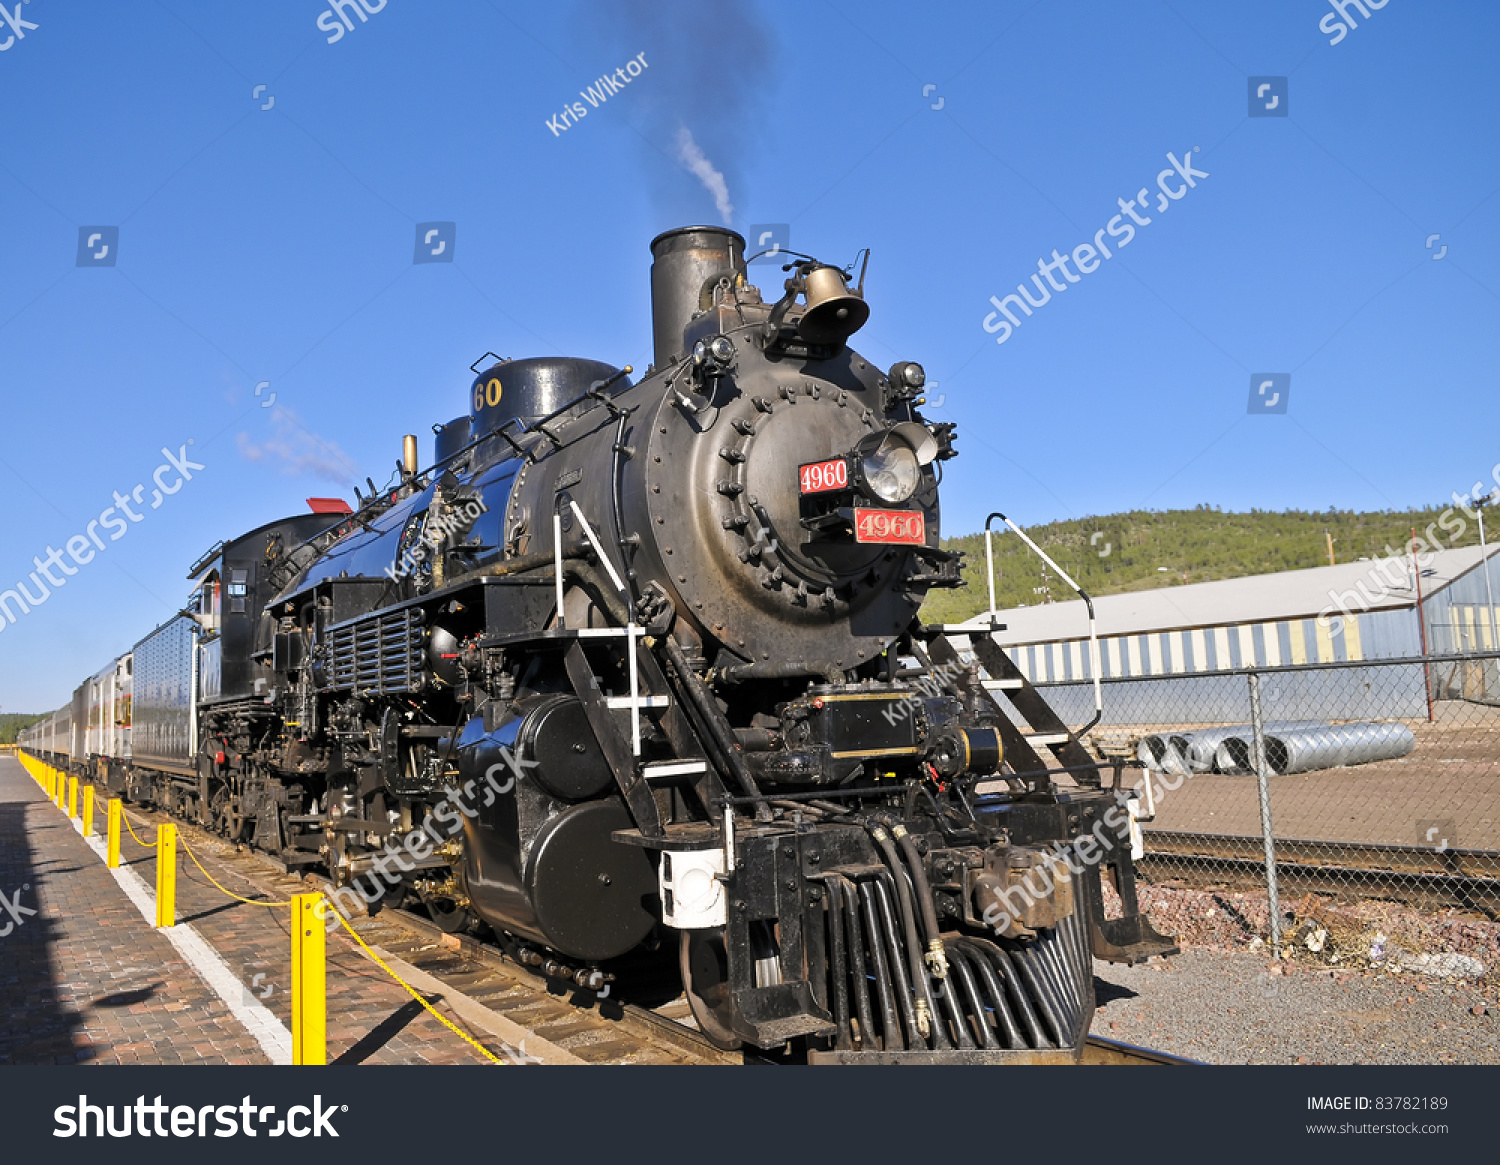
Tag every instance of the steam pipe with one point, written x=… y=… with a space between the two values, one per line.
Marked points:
x=964 y=977
x=786 y=669
x=1042 y=993
x=891 y=1036
x=899 y=974
x=903 y=894
x=954 y=1007
x=858 y=975
x=838 y=968
x=1017 y=988
x=1003 y=1015
x=1052 y=958
x=1083 y=958
x=937 y=957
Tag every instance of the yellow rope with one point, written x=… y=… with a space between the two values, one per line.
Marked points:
x=252 y=901
x=328 y=906
x=494 y=1059
x=138 y=841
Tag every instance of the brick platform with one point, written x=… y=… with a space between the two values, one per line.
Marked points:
x=87 y=980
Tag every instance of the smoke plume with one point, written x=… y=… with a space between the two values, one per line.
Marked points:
x=692 y=157
x=700 y=98
x=296 y=451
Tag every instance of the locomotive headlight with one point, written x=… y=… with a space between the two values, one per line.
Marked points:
x=907 y=377
x=890 y=463
x=890 y=470
x=719 y=351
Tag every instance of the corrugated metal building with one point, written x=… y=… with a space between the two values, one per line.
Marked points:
x=1354 y=611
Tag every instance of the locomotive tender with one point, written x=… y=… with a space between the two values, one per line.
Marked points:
x=650 y=654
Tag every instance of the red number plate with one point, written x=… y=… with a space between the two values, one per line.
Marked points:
x=823 y=476
x=893 y=526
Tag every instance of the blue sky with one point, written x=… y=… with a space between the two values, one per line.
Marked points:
x=273 y=246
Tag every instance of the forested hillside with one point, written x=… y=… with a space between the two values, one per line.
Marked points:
x=13 y=723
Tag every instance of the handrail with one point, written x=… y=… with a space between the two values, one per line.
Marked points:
x=1067 y=578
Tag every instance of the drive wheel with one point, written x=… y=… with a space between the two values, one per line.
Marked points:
x=450 y=917
x=704 y=962
x=226 y=819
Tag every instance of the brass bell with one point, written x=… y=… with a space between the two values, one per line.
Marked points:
x=834 y=313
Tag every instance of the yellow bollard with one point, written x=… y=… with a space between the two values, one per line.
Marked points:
x=309 y=981
x=166 y=875
x=112 y=835
x=72 y=796
x=88 y=811
x=62 y=789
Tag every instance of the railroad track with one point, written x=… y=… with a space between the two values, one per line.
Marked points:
x=570 y=1024
x=1425 y=874
x=1098 y=1050
x=474 y=978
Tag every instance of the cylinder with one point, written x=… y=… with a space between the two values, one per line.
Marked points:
x=1307 y=748
x=1198 y=747
x=686 y=264
x=452 y=437
x=409 y=453
x=1338 y=745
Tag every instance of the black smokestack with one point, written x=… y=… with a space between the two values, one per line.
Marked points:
x=686 y=265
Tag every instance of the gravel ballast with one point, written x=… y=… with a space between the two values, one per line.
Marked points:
x=1225 y=999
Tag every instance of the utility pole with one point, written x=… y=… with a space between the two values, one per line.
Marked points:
x=1329 y=535
x=1416 y=574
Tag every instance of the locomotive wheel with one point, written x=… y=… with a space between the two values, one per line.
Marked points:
x=705 y=980
x=227 y=822
x=450 y=917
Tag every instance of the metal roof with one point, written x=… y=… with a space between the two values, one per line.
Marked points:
x=1378 y=584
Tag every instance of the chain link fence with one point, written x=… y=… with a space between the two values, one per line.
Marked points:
x=1375 y=779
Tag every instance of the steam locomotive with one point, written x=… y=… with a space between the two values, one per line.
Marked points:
x=635 y=670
